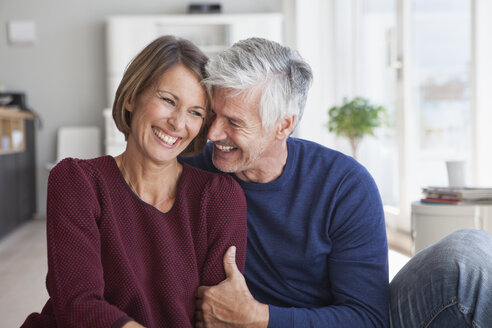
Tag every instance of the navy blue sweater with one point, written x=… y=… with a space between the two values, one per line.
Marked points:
x=317 y=250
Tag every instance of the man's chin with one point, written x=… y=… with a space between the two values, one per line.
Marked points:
x=223 y=167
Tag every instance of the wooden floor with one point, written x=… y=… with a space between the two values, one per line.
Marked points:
x=399 y=241
x=23 y=270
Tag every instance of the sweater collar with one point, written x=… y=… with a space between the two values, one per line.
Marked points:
x=282 y=179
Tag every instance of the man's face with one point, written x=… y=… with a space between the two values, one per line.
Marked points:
x=240 y=143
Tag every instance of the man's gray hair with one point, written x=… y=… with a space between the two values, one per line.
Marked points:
x=280 y=72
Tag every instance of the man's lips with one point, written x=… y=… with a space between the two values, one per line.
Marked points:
x=225 y=148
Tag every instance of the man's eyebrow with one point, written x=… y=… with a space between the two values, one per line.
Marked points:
x=236 y=119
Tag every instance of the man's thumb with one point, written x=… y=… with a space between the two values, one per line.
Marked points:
x=230 y=266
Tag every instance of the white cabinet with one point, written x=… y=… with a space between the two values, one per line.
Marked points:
x=433 y=222
x=128 y=35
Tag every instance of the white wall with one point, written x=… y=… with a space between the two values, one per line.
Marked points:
x=309 y=27
x=314 y=41
x=63 y=72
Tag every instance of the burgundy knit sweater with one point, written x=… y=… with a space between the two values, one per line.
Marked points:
x=113 y=258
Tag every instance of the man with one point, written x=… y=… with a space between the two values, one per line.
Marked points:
x=317 y=250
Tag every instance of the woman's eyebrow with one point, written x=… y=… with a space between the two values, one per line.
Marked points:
x=177 y=98
x=168 y=92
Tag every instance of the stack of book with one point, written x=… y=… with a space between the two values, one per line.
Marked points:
x=452 y=195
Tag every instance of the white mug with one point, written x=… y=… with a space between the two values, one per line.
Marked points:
x=456 y=173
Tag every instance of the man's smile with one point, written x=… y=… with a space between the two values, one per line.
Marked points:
x=225 y=148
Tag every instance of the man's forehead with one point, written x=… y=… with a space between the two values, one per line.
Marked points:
x=242 y=108
x=220 y=95
x=248 y=98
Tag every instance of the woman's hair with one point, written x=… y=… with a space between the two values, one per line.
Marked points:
x=144 y=71
x=280 y=72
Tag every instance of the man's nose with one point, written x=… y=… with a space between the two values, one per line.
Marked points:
x=216 y=130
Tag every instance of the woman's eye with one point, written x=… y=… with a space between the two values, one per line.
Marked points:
x=196 y=113
x=169 y=101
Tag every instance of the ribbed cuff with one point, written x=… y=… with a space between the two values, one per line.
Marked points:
x=280 y=317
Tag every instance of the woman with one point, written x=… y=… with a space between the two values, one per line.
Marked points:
x=131 y=238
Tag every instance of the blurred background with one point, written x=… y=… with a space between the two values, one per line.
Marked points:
x=427 y=62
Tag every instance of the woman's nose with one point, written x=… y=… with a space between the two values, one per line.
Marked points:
x=178 y=119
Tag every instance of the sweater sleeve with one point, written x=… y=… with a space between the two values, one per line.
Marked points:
x=75 y=278
x=225 y=211
x=358 y=263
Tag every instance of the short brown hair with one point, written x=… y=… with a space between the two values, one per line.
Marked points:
x=145 y=70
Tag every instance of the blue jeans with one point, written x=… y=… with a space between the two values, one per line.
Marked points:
x=448 y=284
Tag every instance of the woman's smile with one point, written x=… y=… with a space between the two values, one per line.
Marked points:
x=164 y=137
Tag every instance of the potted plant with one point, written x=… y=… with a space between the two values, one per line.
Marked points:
x=355 y=119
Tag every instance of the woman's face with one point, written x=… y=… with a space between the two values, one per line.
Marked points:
x=169 y=115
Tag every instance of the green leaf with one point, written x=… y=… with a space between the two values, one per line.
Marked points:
x=355 y=118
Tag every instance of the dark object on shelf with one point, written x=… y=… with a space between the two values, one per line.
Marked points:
x=14 y=100
x=204 y=8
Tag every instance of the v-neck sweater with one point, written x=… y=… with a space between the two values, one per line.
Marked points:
x=113 y=258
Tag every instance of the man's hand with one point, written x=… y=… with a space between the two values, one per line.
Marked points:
x=230 y=303
x=132 y=324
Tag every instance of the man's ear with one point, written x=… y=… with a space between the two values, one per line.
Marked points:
x=285 y=126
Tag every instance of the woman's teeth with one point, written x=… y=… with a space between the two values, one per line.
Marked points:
x=164 y=137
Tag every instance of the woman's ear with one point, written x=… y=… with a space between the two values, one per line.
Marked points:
x=129 y=105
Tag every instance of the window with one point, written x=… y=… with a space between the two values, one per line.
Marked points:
x=429 y=62
x=415 y=59
x=440 y=75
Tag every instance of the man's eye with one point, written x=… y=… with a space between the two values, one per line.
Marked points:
x=233 y=124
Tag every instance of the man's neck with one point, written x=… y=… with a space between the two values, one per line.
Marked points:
x=269 y=168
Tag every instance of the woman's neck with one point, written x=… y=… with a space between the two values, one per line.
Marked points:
x=154 y=184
